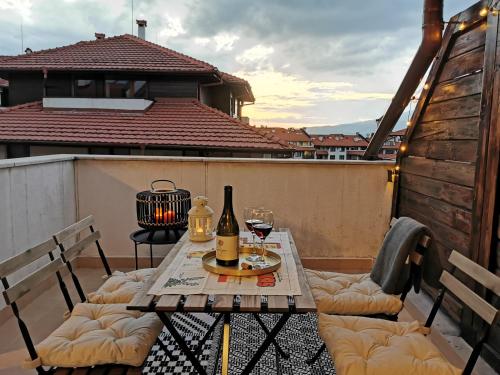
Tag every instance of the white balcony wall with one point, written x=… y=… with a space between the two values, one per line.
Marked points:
x=334 y=209
x=37 y=198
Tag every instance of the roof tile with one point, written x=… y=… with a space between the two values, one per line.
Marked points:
x=167 y=122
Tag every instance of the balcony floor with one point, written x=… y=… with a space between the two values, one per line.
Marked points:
x=45 y=313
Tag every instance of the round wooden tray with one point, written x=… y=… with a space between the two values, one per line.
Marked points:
x=273 y=259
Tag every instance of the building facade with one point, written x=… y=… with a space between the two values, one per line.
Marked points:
x=125 y=95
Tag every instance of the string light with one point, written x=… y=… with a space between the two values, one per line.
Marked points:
x=402 y=148
x=483 y=12
x=426 y=86
x=462 y=26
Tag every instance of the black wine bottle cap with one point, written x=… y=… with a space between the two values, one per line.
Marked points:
x=228 y=187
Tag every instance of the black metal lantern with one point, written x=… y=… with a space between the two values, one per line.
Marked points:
x=163 y=208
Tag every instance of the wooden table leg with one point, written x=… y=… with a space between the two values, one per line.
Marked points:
x=225 y=344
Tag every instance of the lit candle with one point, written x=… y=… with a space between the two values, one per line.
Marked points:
x=158 y=215
x=170 y=216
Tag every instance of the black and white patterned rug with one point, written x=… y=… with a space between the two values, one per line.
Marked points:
x=299 y=337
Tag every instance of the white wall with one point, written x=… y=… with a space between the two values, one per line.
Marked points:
x=36 y=200
x=334 y=209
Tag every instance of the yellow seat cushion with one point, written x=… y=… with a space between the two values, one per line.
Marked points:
x=121 y=287
x=346 y=294
x=360 y=345
x=99 y=334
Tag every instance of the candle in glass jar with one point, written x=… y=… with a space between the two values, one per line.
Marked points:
x=170 y=216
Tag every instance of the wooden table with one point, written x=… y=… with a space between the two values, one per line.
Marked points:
x=225 y=305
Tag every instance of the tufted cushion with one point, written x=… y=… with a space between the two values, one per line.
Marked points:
x=99 y=334
x=121 y=287
x=360 y=345
x=345 y=294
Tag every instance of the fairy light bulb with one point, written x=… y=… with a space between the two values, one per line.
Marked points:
x=462 y=26
x=408 y=123
x=403 y=148
x=483 y=12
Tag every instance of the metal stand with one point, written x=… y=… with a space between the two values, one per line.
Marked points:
x=192 y=355
x=152 y=237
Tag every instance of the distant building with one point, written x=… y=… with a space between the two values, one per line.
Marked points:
x=390 y=148
x=125 y=95
x=339 y=146
x=298 y=139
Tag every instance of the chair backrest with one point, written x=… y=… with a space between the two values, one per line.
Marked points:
x=76 y=238
x=473 y=301
x=416 y=258
x=12 y=293
x=424 y=242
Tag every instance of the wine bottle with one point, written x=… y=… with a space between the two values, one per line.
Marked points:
x=228 y=233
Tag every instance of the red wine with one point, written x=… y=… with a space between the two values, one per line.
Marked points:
x=251 y=222
x=228 y=233
x=262 y=230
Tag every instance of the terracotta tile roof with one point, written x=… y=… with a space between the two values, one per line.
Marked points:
x=168 y=122
x=287 y=135
x=355 y=152
x=339 y=140
x=243 y=88
x=119 y=53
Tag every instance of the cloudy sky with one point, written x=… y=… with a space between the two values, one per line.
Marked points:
x=320 y=62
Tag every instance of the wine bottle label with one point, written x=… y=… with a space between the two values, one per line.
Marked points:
x=227 y=247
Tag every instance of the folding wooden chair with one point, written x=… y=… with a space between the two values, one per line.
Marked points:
x=101 y=336
x=401 y=347
x=356 y=294
x=119 y=287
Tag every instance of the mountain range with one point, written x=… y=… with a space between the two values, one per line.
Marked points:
x=363 y=127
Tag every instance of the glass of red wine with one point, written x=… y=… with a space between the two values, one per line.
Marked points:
x=248 y=215
x=262 y=228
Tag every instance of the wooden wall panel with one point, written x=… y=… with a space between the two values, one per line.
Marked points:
x=457 y=129
x=448 y=175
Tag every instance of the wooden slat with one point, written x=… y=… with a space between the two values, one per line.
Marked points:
x=469 y=41
x=278 y=304
x=168 y=302
x=463 y=86
x=21 y=260
x=451 y=193
x=464 y=64
x=456 y=129
x=223 y=302
x=142 y=301
x=468 y=106
x=444 y=212
x=448 y=171
x=304 y=302
x=464 y=151
x=72 y=252
x=196 y=302
x=416 y=258
x=250 y=303
x=23 y=286
x=468 y=297
x=475 y=271
x=73 y=229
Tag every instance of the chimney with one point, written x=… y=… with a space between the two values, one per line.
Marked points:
x=141 y=28
x=99 y=36
x=28 y=51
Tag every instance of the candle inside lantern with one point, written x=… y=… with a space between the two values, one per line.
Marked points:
x=158 y=215
x=170 y=216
